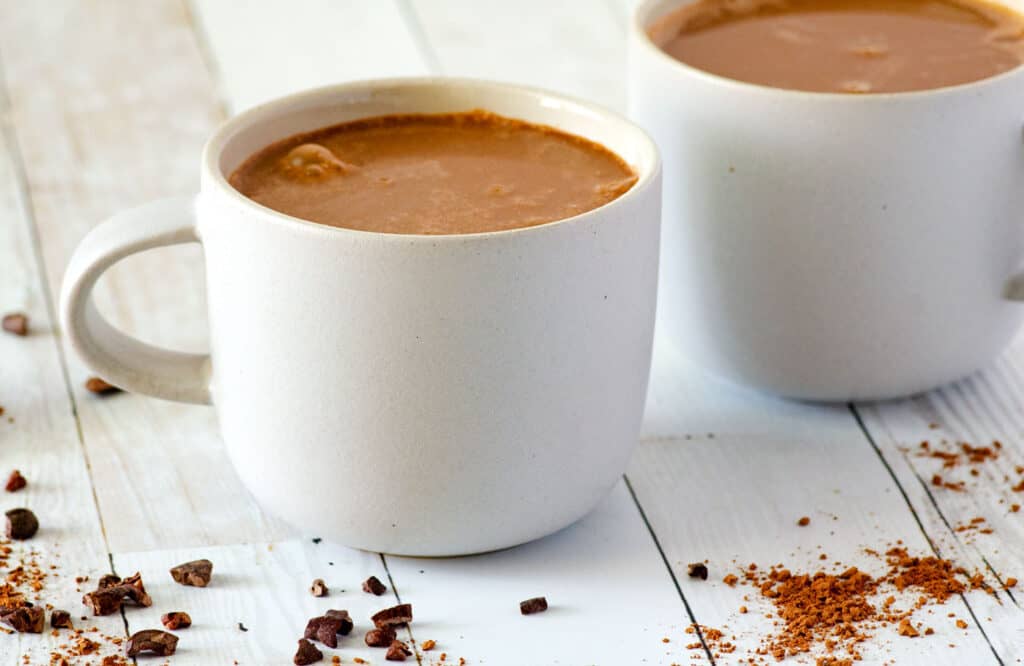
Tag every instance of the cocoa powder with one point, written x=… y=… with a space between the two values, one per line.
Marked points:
x=832 y=614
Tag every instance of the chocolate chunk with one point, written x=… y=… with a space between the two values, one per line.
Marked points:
x=108 y=580
x=134 y=590
x=318 y=588
x=398 y=651
x=697 y=570
x=21 y=524
x=100 y=387
x=327 y=632
x=158 y=642
x=24 y=620
x=394 y=616
x=61 y=619
x=15 y=482
x=307 y=653
x=105 y=600
x=382 y=637
x=16 y=323
x=112 y=591
x=535 y=605
x=325 y=629
x=372 y=585
x=196 y=573
x=344 y=618
x=176 y=620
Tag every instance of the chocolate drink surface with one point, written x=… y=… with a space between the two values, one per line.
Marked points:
x=455 y=173
x=851 y=46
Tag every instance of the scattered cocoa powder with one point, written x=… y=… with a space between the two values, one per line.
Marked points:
x=833 y=661
x=907 y=629
x=963 y=454
x=933 y=577
x=833 y=614
x=715 y=640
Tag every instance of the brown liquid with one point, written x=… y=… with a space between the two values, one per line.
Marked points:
x=853 y=46
x=453 y=173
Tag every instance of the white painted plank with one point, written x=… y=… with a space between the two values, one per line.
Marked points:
x=603 y=579
x=572 y=46
x=724 y=474
x=264 y=586
x=978 y=410
x=275 y=48
x=112 y=113
x=38 y=434
x=602 y=576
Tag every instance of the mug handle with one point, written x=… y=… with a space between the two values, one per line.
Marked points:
x=124 y=361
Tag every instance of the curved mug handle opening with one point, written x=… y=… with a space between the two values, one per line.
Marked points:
x=124 y=361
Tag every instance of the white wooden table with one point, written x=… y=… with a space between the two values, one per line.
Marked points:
x=105 y=104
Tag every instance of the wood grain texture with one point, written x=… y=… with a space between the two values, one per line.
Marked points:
x=979 y=411
x=38 y=433
x=111 y=114
x=602 y=576
x=603 y=579
x=569 y=46
x=275 y=48
x=265 y=586
x=724 y=474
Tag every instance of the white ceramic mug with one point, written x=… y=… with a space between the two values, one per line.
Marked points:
x=834 y=246
x=424 y=395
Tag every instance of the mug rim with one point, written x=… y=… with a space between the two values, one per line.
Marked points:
x=642 y=19
x=214 y=147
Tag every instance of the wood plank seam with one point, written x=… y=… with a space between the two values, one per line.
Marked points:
x=124 y=616
x=202 y=39
x=952 y=531
x=415 y=27
x=25 y=198
x=675 y=581
x=398 y=598
x=935 y=549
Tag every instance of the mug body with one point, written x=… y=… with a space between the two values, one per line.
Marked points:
x=429 y=395
x=833 y=246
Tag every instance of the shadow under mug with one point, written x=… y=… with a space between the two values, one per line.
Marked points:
x=833 y=246
x=410 y=394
